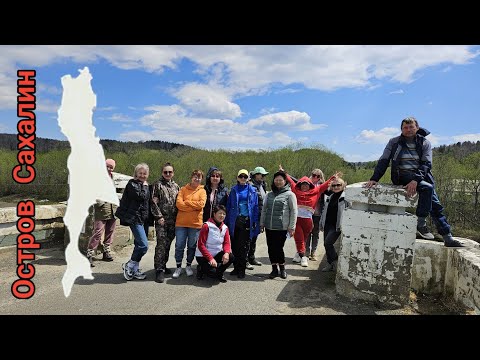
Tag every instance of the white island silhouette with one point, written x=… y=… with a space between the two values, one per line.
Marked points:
x=88 y=177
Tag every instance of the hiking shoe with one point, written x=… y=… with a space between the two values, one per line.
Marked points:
x=177 y=273
x=304 y=261
x=160 y=276
x=248 y=266
x=138 y=274
x=452 y=243
x=127 y=272
x=107 y=253
x=296 y=258
x=423 y=232
x=188 y=270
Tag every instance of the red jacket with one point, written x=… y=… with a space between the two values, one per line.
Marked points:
x=308 y=198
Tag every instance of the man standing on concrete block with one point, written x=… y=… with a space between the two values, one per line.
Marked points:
x=411 y=155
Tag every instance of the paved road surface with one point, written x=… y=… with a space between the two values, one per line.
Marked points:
x=306 y=291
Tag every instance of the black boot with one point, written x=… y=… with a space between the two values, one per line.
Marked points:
x=199 y=272
x=159 y=276
x=283 y=273
x=255 y=262
x=274 y=272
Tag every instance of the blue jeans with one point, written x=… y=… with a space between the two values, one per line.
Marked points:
x=428 y=203
x=140 y=241
x=182 y=234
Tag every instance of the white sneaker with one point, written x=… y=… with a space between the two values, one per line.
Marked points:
x=189 y=271
x=176 y=273
x=304 y=261
x=296 y=258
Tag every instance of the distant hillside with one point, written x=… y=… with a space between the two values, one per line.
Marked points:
x=459 y=151
x=10 y=142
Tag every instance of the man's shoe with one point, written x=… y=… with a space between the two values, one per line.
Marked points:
x=248 y=266
x=452 y=243
x=160 y=276
x=423 y=232
x=283 y=274
x=222 y=279
x=255 y=262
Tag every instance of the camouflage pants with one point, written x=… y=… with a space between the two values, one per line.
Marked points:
x=165 y=236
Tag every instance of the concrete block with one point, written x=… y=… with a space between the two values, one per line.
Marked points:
x=381 y=194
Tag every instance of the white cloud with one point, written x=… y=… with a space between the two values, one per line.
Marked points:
x=208 y=100
x=285 y=121
x=106 y=108
x=288 y=91
x=380 y=137
x=466 y=137
x=247 y=70
x=120 y=118
x=396 y=92
x=48 y=89
x=172 y=123
x=267 y=110
x=47 y=105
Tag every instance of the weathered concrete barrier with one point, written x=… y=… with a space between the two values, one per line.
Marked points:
x=49 y=225
x=377 y=244
x=455 y=273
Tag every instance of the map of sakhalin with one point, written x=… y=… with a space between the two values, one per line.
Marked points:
x=88 y=177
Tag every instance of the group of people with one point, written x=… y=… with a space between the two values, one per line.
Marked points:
x=219 y=227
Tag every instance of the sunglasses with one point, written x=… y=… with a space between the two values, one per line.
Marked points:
x=243 y=176
x=315 y=175
x=168 y=172
x=336 y=185
x=216 y=176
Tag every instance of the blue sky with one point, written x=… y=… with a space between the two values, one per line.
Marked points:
x=350 y=99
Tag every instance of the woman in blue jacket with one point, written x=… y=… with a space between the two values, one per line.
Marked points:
x=242 y=220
